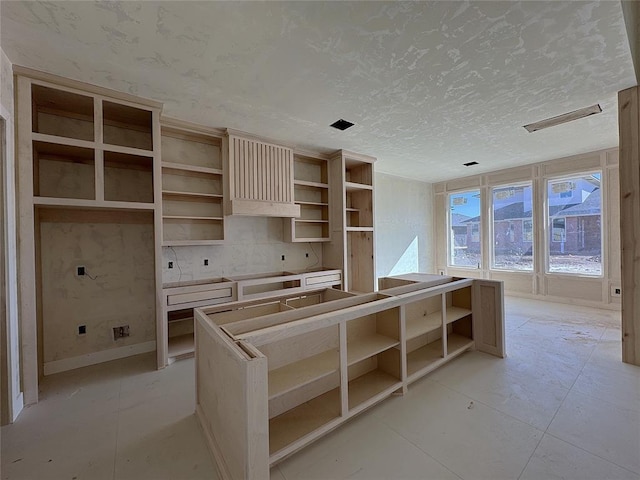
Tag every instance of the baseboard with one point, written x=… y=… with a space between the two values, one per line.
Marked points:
x=72 y=363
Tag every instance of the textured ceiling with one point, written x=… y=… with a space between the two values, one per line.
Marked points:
x=429 y=85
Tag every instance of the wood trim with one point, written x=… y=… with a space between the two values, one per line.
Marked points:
x=84 y=87
x=629 y=125
x=177 y=124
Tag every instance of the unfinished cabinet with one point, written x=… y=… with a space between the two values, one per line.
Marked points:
x=272 y=378
x=89 y=171
x=259 y=177
x=88 y=150
x=192 y=186
x=311 y=193
x=352 y=242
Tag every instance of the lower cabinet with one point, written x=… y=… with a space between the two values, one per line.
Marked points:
x=273 y=377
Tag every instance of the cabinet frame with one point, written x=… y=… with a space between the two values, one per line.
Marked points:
x=256 y=338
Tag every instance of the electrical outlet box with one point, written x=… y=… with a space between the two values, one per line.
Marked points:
x=441 y=272
x=283 y=258
x=616 y=291
x=206 y=262
x=82 y=329
x=120 y=332
x=306 y=255
x=170 y=264
x=80 y=271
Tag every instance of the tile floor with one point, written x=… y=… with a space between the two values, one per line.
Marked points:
x=561 y=405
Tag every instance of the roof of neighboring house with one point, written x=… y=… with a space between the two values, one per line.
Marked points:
x=458 y=220
x=508 y=212
x=590 y=206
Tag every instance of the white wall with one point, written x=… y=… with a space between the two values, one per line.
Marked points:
x=252 y=245
x=404 y=226
x=11 y=347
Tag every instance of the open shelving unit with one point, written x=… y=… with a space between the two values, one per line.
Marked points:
x=192 y=186
x=314 y=365
x=311 y=193
x=90 y=159
x=352 y=207
x=92 y=149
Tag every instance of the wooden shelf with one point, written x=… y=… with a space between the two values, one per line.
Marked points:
x=191 y=168
x=189 y=217
x=65 y=141
x=305 y=220
x=417 y=326
x=92 y=204
x=303 y=420
x=317 y=204
x=456 y=313
x=424 y=357
x=368 y=346
x=370 y=385
x=181 y=346
x=457 y=344
x=175 y=193
x=359 y=229
x=303 y=372
x=184 y=243
x=311 y=239
x=353 y=187
x=306 y=183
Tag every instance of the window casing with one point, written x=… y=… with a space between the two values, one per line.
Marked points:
x=465 y=239
x=512 y=227
x=574 y=224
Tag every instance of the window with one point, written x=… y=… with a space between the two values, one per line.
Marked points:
x=575 y=225
x=512 y=209
x=464 y=233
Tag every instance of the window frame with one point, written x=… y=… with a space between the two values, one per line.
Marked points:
x=492 y=253
x=450 y=236
x=547 y=237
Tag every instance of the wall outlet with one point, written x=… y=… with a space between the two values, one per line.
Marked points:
x=80 y=271
x=206 y=262
x=82 y=329
x=440 y=272
x=170 y=264
x=120 y=332
x=283 y=258
x=616 y=291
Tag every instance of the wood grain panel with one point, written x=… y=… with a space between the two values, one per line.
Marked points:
x=629 y=223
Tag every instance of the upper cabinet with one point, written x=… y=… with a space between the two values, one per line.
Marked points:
x=86 y=150
x=259 y=178
x=311 y=193
x=192 y=185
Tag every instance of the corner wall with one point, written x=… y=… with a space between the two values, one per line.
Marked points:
x=563 y=288
x=10 y=349
x=404 y=226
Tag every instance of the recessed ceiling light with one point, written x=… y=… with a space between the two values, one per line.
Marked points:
x=564 y=118
x=341 y=124
x=470 y=164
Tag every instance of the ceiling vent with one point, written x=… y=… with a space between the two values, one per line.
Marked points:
x=342 y=124
x=567 y=117
x=470 y=164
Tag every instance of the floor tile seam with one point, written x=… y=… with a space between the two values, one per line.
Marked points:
x=500 y=411
x=592 y=453
x=531 y=456
x=399 y=433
